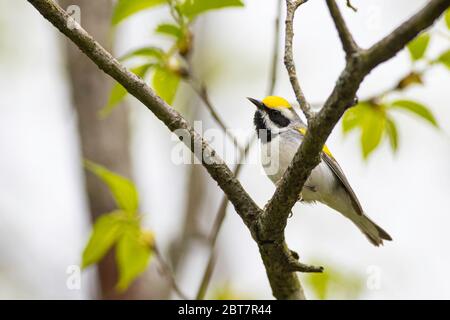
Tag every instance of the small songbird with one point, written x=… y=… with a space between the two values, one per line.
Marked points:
x=281 y=132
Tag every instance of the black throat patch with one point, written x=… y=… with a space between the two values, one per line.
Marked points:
x=263 y=133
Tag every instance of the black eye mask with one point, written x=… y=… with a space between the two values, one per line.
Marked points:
x=277 y=118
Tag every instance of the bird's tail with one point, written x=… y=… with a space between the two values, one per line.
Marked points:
x=371 y=230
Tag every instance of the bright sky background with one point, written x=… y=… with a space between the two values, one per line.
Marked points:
x=43 y=215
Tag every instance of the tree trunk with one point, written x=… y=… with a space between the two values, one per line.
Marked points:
x=104 y=141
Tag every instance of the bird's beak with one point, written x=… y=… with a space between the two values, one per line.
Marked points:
x=257 y=103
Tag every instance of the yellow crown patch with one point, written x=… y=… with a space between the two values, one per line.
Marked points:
x=276 y=102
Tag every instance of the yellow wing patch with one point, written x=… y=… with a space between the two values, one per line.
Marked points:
x=325 y=148
x=327 y=151
x=276 y=102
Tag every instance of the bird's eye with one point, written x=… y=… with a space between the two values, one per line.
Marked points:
x=278 y=118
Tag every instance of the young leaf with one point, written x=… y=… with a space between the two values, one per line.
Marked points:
x=416 y=108
x=320 y=284
x=126 y=8
x=140 y=71
x=409 y=80
x=165 y=83
x=391 y=130
x=123 y=190
x=105 y=233
x=118 y=93
x=354 y=117
x=372 y=131
x=418 y=46
x=145 y=52
x=132 y=255
x=169 y=29
x=192 y=8
x=445 y=59
x=227 y=292
x=335 y=284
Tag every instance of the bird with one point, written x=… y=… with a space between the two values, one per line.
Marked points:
x=281 y=131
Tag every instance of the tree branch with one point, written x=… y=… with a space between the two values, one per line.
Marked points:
x=216 y=167
x=390 y=45
x=277 y=259
x=307 y=156
x=267 y=228
x=217 y=226
x=169 y=274
x=348 y=43
x=221 y=213
x=291 y=7
x=202 y=92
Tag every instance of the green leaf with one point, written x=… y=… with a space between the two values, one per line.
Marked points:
x=165 y=83
x=447 y=18
x=192 y=8
x=372 y=131
x=370 y=118
x=118 y=93
x=133 y=255
x=354 y=117
x=445 y=59
x=105 y=233
x=418 y=46
x=226 y=292
x=126 y=8
x=145 y=52
x=416 y=108
x=334 y=283
x=140 y=71
x=169 y=29
x=391 y=130
x=123 y=190
x=320 y=284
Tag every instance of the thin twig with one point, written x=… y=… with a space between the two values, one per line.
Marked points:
x=168 y=271
x=297 y=266
x=291 y=7
x=217 y=225
x=349 y=4
x=207 y=275
x=202 y=92
x=221 y=213
x=275 y=51
x=348 y=43
x=267 y=228
x=413 y=77
x=341 y=98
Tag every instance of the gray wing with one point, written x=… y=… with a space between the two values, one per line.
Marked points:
x=334 y=166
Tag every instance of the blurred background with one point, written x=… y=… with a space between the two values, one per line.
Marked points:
x=50 y=98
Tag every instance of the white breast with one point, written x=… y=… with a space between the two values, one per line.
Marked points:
x=276 y=157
